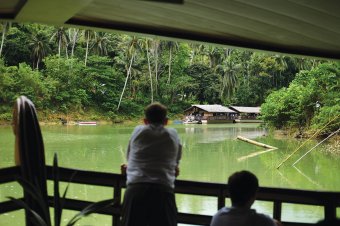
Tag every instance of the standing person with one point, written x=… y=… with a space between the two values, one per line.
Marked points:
x=242 y=187
x=153 y=157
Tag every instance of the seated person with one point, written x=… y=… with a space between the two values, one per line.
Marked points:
x=242 y=187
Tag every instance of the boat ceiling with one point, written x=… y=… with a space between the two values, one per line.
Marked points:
x=303 y=27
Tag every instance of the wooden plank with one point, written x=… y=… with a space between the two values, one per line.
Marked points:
x=9 y=174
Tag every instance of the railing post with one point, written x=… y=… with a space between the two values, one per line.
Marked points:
x=330 y=211
x=117 y=194
x=277 y=210
x=221 y=199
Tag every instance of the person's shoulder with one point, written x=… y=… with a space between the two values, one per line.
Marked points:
x=264 y=220
x=138 y=129
x=171 y=130
x=223 y=210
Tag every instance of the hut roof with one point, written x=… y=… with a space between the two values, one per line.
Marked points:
x=213 y=108
x=246 y=109
x=307 y=27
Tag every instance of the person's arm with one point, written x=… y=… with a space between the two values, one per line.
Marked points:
x=123 y=167
x=277 y=223
x=179 y=156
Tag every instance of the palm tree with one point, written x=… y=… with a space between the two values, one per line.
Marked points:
x=282 y=63
x=73 y=34
x=145 y=44
x=40 y=48
x=88 y=35
x=5 y=26
x=100 y=43
x=155 y=50
x=171 y=46
x=61 y=38
x=131 y=46
x=229 y=82
x=196 y=50
x=214 y=54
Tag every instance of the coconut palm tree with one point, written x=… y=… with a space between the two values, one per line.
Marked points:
x=100 y=43
x=40 y=48
x=155 y=51
x=131 y=45
x=172 y=47
x=73 y=34
x=89 y=36
x=60 y=36
x=5 y=26
x=229 y=81
x=145 y=45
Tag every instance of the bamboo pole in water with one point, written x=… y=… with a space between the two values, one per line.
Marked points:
x=316 y=146
x=255 y=142
x=317 y=132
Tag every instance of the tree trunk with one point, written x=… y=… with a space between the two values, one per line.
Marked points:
x=169 y=66
x=126 y=79
x=59 y=47
x=156 y=68
x=38 y=61
x=3 y=37
x=87 y=48
x=150 y=75
x=74 y=38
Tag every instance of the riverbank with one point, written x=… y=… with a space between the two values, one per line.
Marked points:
x=331 y=146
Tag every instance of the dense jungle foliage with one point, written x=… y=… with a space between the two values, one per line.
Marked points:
x=97 y=75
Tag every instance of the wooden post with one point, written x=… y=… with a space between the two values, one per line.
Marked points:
x=277 y=209
x=117 y=195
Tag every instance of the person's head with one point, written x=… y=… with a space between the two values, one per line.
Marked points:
x=155 y=113
x=242 y=187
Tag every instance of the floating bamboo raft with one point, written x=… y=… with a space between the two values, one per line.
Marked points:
x=255 y=142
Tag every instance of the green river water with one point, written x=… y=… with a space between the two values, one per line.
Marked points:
x=210 y=153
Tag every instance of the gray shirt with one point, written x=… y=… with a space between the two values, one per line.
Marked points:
x=153 y=154
x=240 y=217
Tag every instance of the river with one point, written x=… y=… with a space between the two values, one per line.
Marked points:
x=210 y=153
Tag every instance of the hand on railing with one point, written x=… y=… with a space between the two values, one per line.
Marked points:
x=177 y=171
x=123 y=168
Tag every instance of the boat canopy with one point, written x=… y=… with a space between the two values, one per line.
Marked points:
x=304 y=27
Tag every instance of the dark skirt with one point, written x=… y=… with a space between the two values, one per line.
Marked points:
x=148 y=204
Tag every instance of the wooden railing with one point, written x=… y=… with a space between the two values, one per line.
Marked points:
x=329 y=200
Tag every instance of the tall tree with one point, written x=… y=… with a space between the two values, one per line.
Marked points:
x=131 y=46
x=61 y=38
x=39 y=48
x=100 y=43
x=4 y=29
x=229 y=81
x=73 y=34
x=145 y=44
x=155 y=50
x=88 y=35
x=172 y=47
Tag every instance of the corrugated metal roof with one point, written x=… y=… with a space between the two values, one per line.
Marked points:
x=214 y=108
x=246 y=109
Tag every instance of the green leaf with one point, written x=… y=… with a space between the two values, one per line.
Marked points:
x=36 y=217
x=36 y=195
x=92 y=208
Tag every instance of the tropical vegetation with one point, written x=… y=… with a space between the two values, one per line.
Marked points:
x=74 y=73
